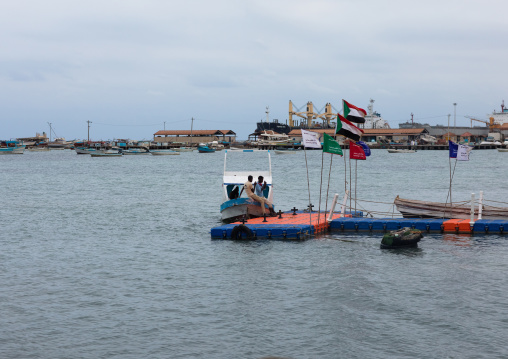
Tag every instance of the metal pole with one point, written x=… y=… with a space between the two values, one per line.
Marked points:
x=334 y=203
x=454 y=113
x=480 y=206
x=89 y=122
x=471 y=222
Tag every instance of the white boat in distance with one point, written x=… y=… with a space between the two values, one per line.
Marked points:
x=400 y=150
x=285 y=152
x=164 y=153
x=106 y=154
x=136 y=151
x=235 y=208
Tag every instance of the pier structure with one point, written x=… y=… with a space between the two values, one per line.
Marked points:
x=302 y=226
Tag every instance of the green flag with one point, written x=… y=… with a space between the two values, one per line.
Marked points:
x=331 y=146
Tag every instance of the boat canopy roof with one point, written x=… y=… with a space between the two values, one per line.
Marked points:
x=239 y=178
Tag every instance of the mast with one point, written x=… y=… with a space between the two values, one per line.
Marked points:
x=89 y=122
x=267 y=112
x=49 y=123
x=192 y=123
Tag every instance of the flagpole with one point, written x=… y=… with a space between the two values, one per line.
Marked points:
x=356 y=171
x=320 y=186
x=328 y=188
x=350 y=178
x=308 y=185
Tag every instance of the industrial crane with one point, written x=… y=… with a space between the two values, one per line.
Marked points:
x=489 y=123
x=310 y=115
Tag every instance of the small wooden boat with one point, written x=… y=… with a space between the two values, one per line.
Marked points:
x=285 y=152
x=205 y=149
x=502 y=149
x=136 y=151
x=400 y=150
x=410 y=208
x=106 y=154
x=11 y=148
x=184 y=149
x=164 y=153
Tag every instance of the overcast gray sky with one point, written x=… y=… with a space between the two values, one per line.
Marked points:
x=128 y=66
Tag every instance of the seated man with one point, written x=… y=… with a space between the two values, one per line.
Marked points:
x=260 y=186
x=249 y=190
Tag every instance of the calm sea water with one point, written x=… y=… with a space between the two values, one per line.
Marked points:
x=112 y=258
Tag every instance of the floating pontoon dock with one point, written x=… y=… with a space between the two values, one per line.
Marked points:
x=301 y=226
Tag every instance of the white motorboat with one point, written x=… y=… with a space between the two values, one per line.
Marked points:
x=400 y=150
x=234 y=208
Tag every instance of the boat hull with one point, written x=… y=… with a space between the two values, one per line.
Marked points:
x=103 y=154
x=422 y=209
x=12 y=151
x=164 y=153
x=236 y=209
x=400 y=151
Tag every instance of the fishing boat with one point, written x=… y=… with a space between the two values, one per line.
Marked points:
x=183 y=149
x=234 y=208
x=11 y=148
x=400 y=150
x=285 y=152
x=410 y=208
x=106 y=154
x=89 y=147
x=164 y=153
x=136 y=151
x=202 y=148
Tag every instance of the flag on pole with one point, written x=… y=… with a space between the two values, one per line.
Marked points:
x=353 y=113
x=463 y=152
x=310 y=139
x=347 y=129
x=356 y=152
x=331 y=146
x=453 y=147
x=365 y=147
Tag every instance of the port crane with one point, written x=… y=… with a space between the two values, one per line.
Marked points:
x=489 y=123
x=309 y=115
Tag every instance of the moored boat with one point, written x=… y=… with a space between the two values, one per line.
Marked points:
x=136 y=151
x=285 y=152
x=410 y=208
x=164 y=153
x=11 y=148
x=202 y=148
x=234 y=207
x=400 y=150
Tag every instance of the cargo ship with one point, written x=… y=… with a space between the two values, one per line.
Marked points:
x=310 y=120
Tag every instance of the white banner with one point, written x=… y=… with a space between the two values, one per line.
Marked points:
x=463 y=153
x=310 y=139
